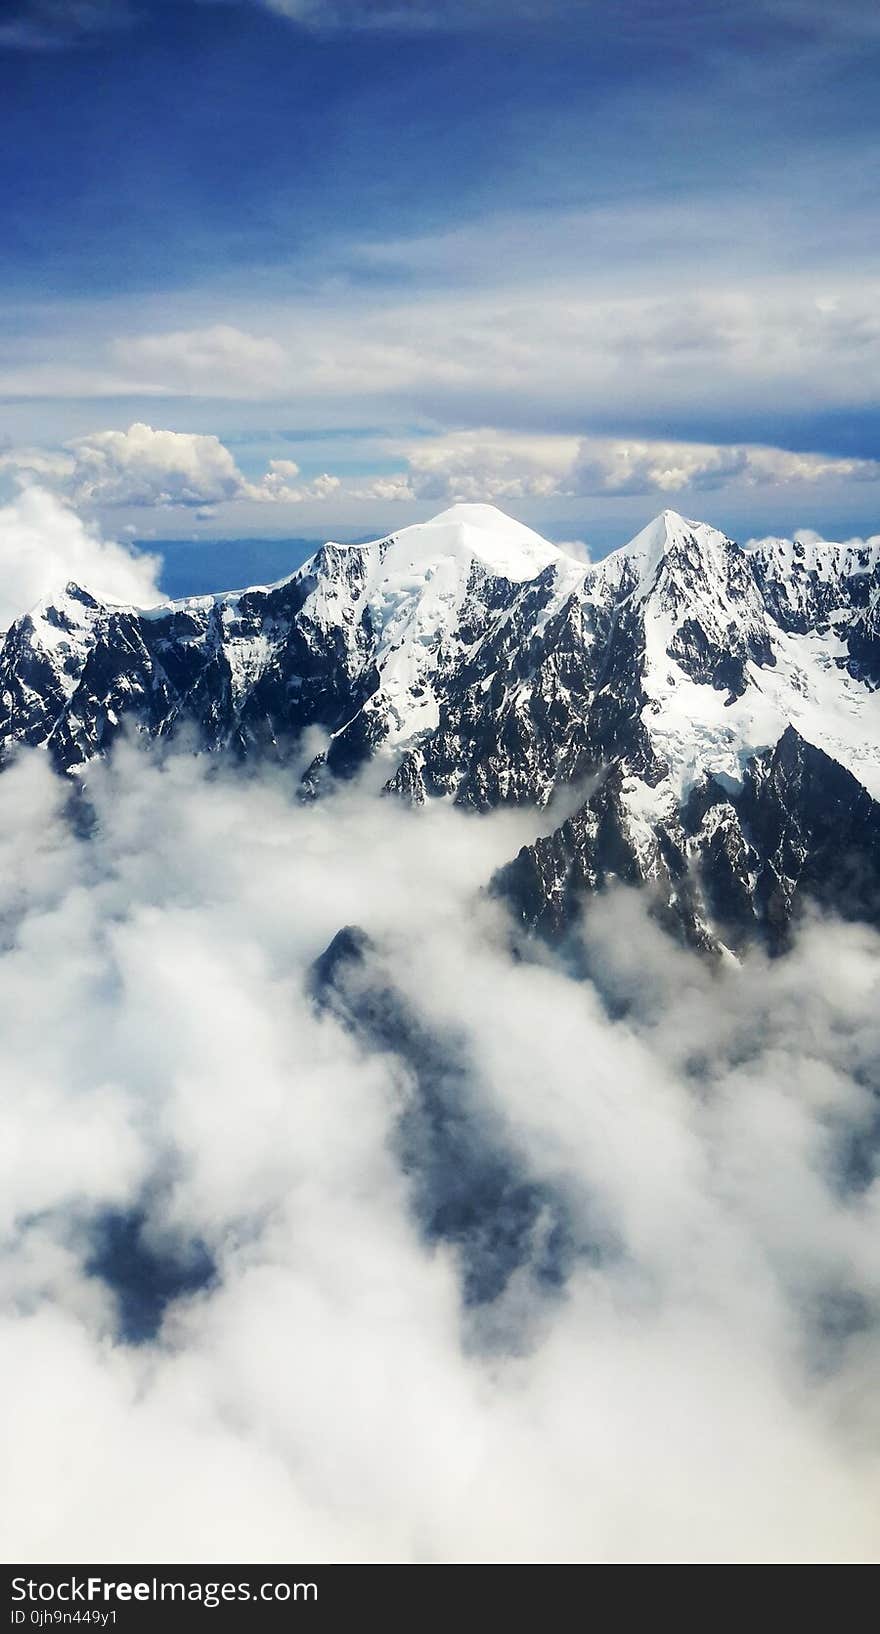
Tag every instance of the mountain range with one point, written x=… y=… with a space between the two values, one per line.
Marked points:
x=694 y=716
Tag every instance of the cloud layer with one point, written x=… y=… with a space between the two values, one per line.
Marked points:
x=701 y=1385
x=143 y=468
x=493 y=465
x=455 y=333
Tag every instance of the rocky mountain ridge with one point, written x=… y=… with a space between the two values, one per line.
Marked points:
x=717 y=703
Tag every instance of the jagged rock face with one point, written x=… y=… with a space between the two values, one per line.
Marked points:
x=600 y=845
x=733 y=817
x=728 y=868
x=808 y=830
x=364 y=642
x=250 y=671
x=807 y=582
x=513 y=719
x=721 y=701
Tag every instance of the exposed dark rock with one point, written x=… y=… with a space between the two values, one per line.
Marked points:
x=504 y=687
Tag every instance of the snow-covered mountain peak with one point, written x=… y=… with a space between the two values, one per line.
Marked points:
x=426 y=594
x=663 y=533
x=671 y=546
x=61 y=620
x=466 y=533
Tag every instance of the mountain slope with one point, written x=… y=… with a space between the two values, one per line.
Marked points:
x=721 y=702
x=356 y=642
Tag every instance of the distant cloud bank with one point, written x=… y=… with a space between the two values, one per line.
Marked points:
x=149 y=468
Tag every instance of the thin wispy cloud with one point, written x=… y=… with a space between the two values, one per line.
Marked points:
x=406 y=16
x=53 y=25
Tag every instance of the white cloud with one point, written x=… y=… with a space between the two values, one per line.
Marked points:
x=487 y=463
x=43 y=463
x=704 y=1390
x=621 y=466
x=701 y=1387
x=280 y=486
x=494 y=465
x=578 y=548
x=144 y=467
x=44 y=544
x=502 y=323
x=220 y=358
x=535 y=345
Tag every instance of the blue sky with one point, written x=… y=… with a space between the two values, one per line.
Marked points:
x=338 y=264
